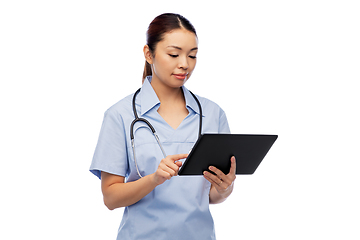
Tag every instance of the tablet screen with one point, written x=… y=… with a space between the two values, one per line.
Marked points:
x=217 y=149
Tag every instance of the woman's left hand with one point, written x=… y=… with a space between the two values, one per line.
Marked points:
x=221 y=182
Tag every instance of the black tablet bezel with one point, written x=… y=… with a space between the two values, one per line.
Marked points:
x=217 y=149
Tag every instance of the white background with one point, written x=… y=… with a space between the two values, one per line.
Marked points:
x=276 y=67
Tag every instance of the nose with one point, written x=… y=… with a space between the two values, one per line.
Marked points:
x=183 y=63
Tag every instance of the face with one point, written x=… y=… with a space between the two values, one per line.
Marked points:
x=174 y=59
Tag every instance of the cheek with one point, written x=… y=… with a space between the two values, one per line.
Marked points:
x=193 y=64
x=164 y=64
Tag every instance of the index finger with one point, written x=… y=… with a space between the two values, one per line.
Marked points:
x=177 y=157
x=233 y=166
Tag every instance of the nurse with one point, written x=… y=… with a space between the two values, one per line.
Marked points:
x=158 y=203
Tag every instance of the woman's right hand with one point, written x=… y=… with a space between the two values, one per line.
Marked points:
x=168 y=168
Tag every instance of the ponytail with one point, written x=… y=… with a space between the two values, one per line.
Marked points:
x=147 y=71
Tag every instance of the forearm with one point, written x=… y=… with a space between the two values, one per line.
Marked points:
x=125 y=194
x=216 y=197
x=117 y=193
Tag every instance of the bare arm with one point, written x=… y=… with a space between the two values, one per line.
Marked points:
x=118 y=194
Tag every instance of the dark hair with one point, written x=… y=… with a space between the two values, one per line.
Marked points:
x=162 y=24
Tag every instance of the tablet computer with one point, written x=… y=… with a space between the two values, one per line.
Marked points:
x=217 y=149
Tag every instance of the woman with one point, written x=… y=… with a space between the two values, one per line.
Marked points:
x=158 y=203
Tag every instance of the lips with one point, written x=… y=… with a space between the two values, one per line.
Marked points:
x=181 y=76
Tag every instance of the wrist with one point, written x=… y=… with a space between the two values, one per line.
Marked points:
x=152 y=180
x=226 y=192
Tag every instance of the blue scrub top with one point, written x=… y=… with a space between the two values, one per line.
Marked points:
x=178 y=208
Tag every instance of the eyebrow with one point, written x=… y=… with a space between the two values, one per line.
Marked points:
x=179 y=48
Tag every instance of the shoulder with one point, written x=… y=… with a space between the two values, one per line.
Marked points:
x=215 y=120
x=210 y=106
x=123 y=106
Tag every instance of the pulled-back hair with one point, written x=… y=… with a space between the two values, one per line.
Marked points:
x=162 y=24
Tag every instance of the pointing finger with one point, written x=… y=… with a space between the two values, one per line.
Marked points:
x=177 y=157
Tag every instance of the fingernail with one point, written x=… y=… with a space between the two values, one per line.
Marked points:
x=211 y=168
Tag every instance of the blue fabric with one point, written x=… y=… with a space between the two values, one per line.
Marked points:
x=179 y=208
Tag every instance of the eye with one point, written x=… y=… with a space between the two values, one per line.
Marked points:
x=173 y=56
x=193 y=57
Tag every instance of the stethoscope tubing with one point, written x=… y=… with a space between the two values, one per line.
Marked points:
x=137 y=119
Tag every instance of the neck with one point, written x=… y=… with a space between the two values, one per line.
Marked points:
x=165 y=93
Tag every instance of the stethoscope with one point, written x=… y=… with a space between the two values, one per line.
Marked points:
x=137 y=119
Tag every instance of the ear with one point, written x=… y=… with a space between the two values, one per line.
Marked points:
x=147 y=54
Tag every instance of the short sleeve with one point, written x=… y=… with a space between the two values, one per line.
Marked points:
x=223 y=123
x=111 y=152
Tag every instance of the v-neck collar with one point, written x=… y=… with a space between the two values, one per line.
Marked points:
x=149 y=99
